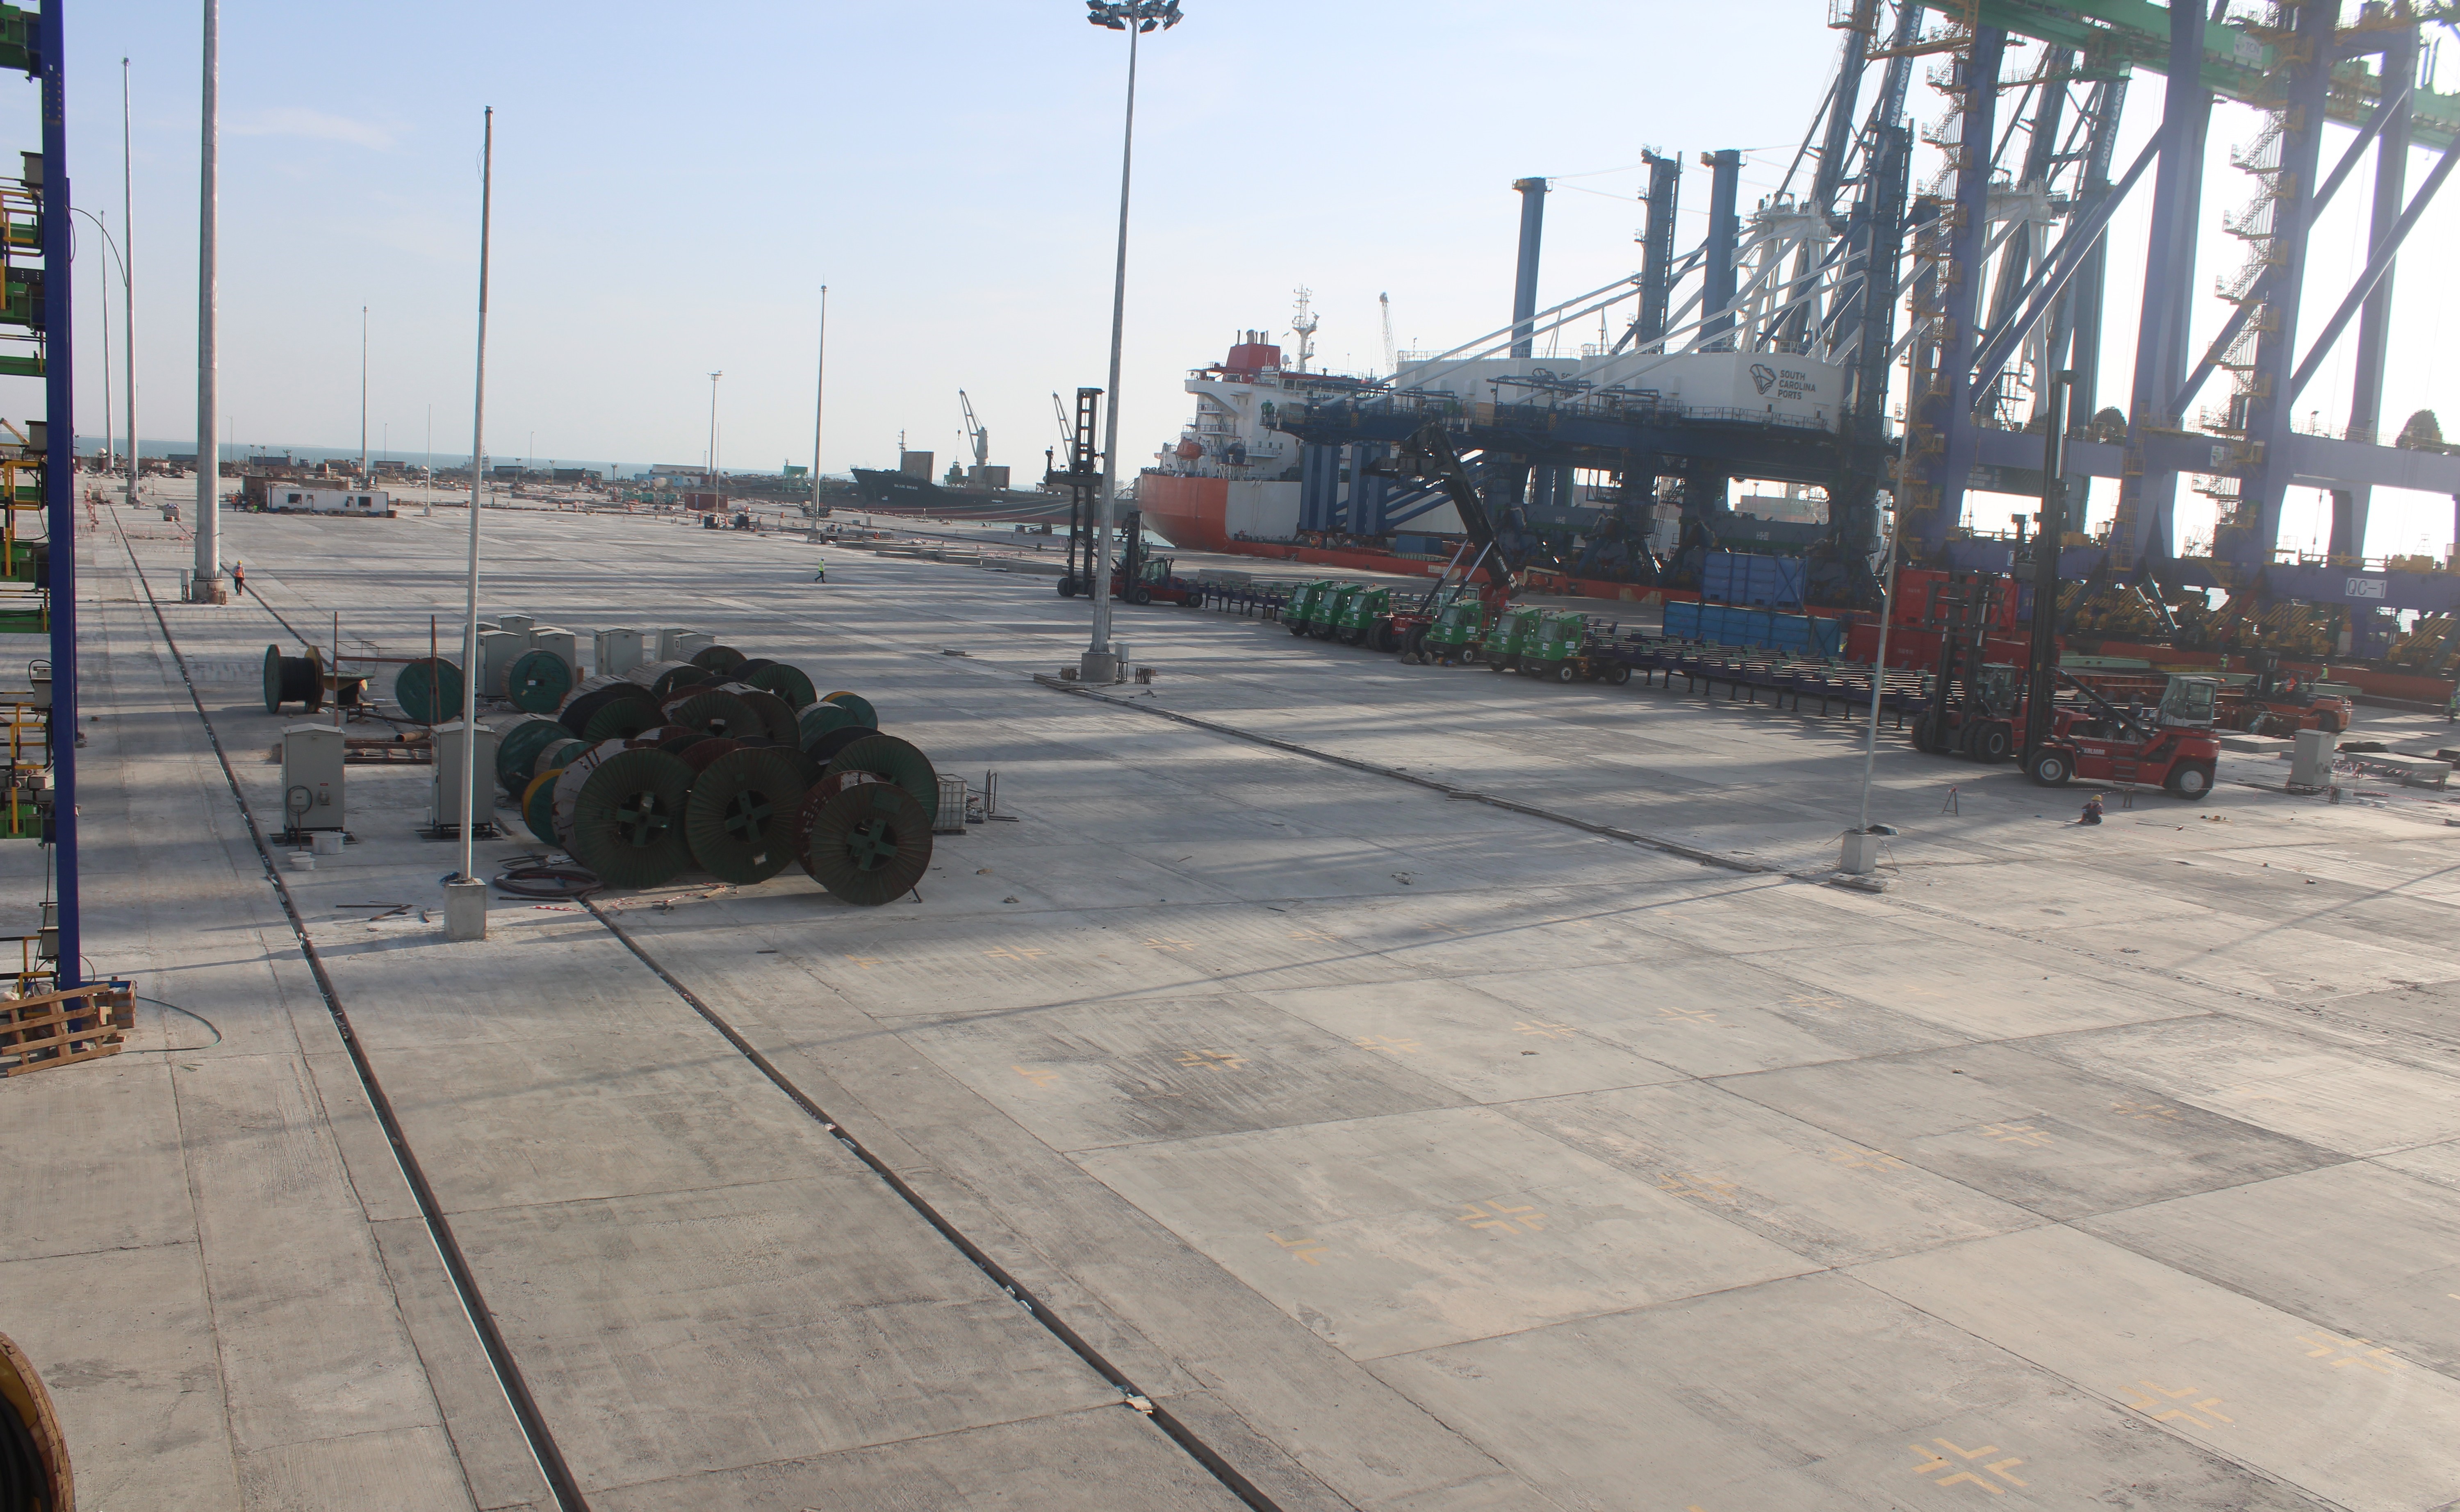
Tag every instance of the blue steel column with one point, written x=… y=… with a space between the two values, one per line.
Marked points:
x=59 y=484
x=2249 y=538
x=2143 y=533
x=1368 y=488
x=1657 y=246
x=1943 y=412
x=1717 y=256
x=1524 y=276
x=2351 y=506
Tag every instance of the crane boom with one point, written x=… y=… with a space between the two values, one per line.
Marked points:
x=979 y=437
x=1391 y=354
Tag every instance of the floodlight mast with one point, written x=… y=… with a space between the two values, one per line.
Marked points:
x=1100 y=663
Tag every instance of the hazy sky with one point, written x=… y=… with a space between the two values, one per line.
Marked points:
x=674 y=185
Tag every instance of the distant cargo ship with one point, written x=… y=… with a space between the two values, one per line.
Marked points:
x=901 y=493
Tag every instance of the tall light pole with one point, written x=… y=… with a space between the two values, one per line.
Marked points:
x=128 y=278
x=465 y=896
x=103 y=265
x=363 y=394
x=820 y=399
x=1100 y=663
x=209 y=471
x=712 y=428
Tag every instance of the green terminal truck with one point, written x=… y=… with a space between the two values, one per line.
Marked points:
x=1570 y=646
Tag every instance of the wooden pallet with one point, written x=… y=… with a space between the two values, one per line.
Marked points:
x=60 y=1029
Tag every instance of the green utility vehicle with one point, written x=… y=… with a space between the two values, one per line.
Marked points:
x=1452 y=638
x=1367 y=617
x=1303 y=606
x=1569 y=647
x=1511 y=637
x=1325 y=621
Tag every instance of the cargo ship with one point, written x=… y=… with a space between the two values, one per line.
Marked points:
x=901 y=493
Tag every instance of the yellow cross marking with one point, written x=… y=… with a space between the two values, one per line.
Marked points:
x=1709 y=1188
x=1016 y=952
x=1039 y=1075
x=1387 y=1043
x=2144 y=1110
x=1167 y=943
x=1934 y=1461
x=1695 y=1015
x=866 y=961
x=2152 y=1396
x=2366 y=1354
x=1502 y=1219
x=1813 y=1000
x=1544 y=1029
x=1310 y=1250
x=2023 y=1134
x=1218 y=1059
x=1864 y=1159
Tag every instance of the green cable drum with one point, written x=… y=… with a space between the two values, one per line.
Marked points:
x=627 y=819
x=662 y=679
x=585 y=702
x=557 y=755
x=717 y=658
x=741 y=671
x=901 y=763
x=538 y=682
x=824 y=749
x=857 y=705
x=777 y=717
x=740 y=816
x=429 y=690
x=866 y=845
x=706 y=749
x=518 y=743
x=538 y=806
x=786 y=682
x=621 y=719
x=716 y=713
x=819 y=719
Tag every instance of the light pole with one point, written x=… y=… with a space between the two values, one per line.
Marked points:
x=128 y=279
x=209 y=525
x=712 y=429
x=109 y=452
x=1135 y=18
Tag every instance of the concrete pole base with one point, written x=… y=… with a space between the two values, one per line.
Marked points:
x=1861 y=856
x=465 y=910
x=1097 y=668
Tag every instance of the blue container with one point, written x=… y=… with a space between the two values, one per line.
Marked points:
x=1682 y=620
x=1757 y=582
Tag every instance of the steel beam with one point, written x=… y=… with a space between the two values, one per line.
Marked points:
x=59 y=484
x=1524 y=277
x=1943 y=410
x=2377 y=270
x=1657 y=245
x=2247 y=539
x=1717 y=277
x=2394 y=108
x=2143 y=533
x=2350 y=506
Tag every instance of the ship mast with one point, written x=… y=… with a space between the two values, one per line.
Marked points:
x=1303 y=326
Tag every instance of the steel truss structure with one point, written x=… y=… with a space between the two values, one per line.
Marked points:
x=2001 y=265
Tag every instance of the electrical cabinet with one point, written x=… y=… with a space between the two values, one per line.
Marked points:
x=452 y=749
x=619 y=652
x=311 y=777
x=497 y=650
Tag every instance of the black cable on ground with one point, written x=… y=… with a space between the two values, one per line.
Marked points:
x=198 y=1017
x=1178 y=1432
x=474 y=1302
